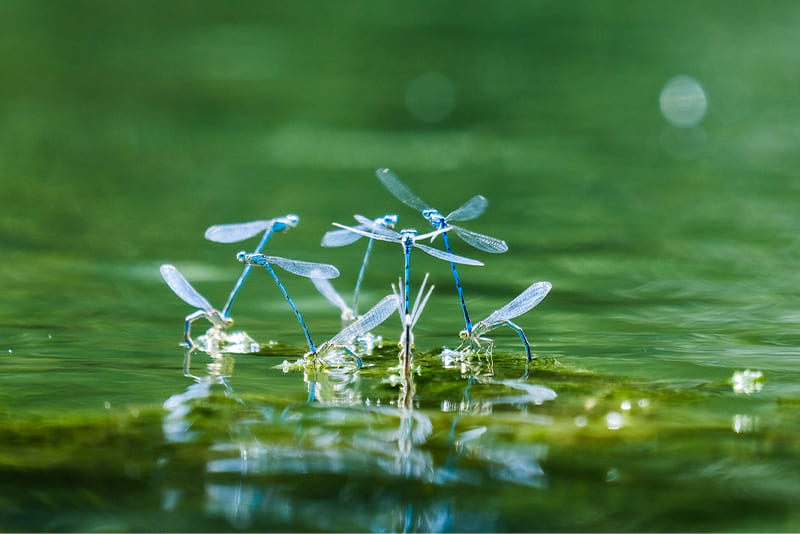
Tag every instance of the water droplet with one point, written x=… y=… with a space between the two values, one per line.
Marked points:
x=683 y=101
x=107 y=404
x=10 y=351
x=581 y=421
x=626 y=405
x=643 y=403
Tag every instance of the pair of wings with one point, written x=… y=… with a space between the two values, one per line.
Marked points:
x=181 y=287
x=471 y=209
x=524 y=302
x=385 y=234
x=235 y=232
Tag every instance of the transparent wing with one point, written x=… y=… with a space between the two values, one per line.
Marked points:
x=339 y=238
x=521 y=304
x=399 y=292
x=480 y=241
x=419 y=296
x=471 y=209
x=363 y=221
x=327 y=291
x=380 y=233
x=231 y=233
x=375 y=316
x=446 y=256
x=301 y=268
x=420 y=301
x=183 y=288
x=400 y=190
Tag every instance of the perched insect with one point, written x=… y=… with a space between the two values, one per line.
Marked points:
x=300 y=268
x=233 y=233
x=468 y=211
x=524 y=302
x=409 y=239
x=366 y=322
x=191 y=296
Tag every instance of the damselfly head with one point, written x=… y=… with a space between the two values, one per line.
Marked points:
x=241 y=256
x=388 y=220
x=464 y=334
x=282 y=224
x=433 y=216
x=408 y=232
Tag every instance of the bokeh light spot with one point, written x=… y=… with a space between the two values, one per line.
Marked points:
x=614 y=420
x=683 y=101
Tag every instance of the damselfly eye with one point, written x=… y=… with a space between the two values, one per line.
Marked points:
x=463 y=334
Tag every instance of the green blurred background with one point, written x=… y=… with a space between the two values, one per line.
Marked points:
x=128 y=128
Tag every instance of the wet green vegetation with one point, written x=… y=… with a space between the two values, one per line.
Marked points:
x=463 y=450
x=665 y=391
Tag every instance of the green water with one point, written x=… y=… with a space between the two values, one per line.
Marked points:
x=127 y=129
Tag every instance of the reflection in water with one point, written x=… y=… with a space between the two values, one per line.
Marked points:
x=177 y=425
x=348 y=447
x=332 y=387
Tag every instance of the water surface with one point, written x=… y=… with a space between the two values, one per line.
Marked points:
x=673 y=253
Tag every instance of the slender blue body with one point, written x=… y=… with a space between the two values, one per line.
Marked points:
x=460 y=289
x=275 y=225
x=522 y=336
x=409 y=239
x=468 y=211
x=247 y=268
x=408 y=242
x=311 y=346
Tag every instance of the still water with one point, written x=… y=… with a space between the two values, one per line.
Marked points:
x=640 y=157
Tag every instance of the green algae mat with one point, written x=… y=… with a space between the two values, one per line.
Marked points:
x=642 y=158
